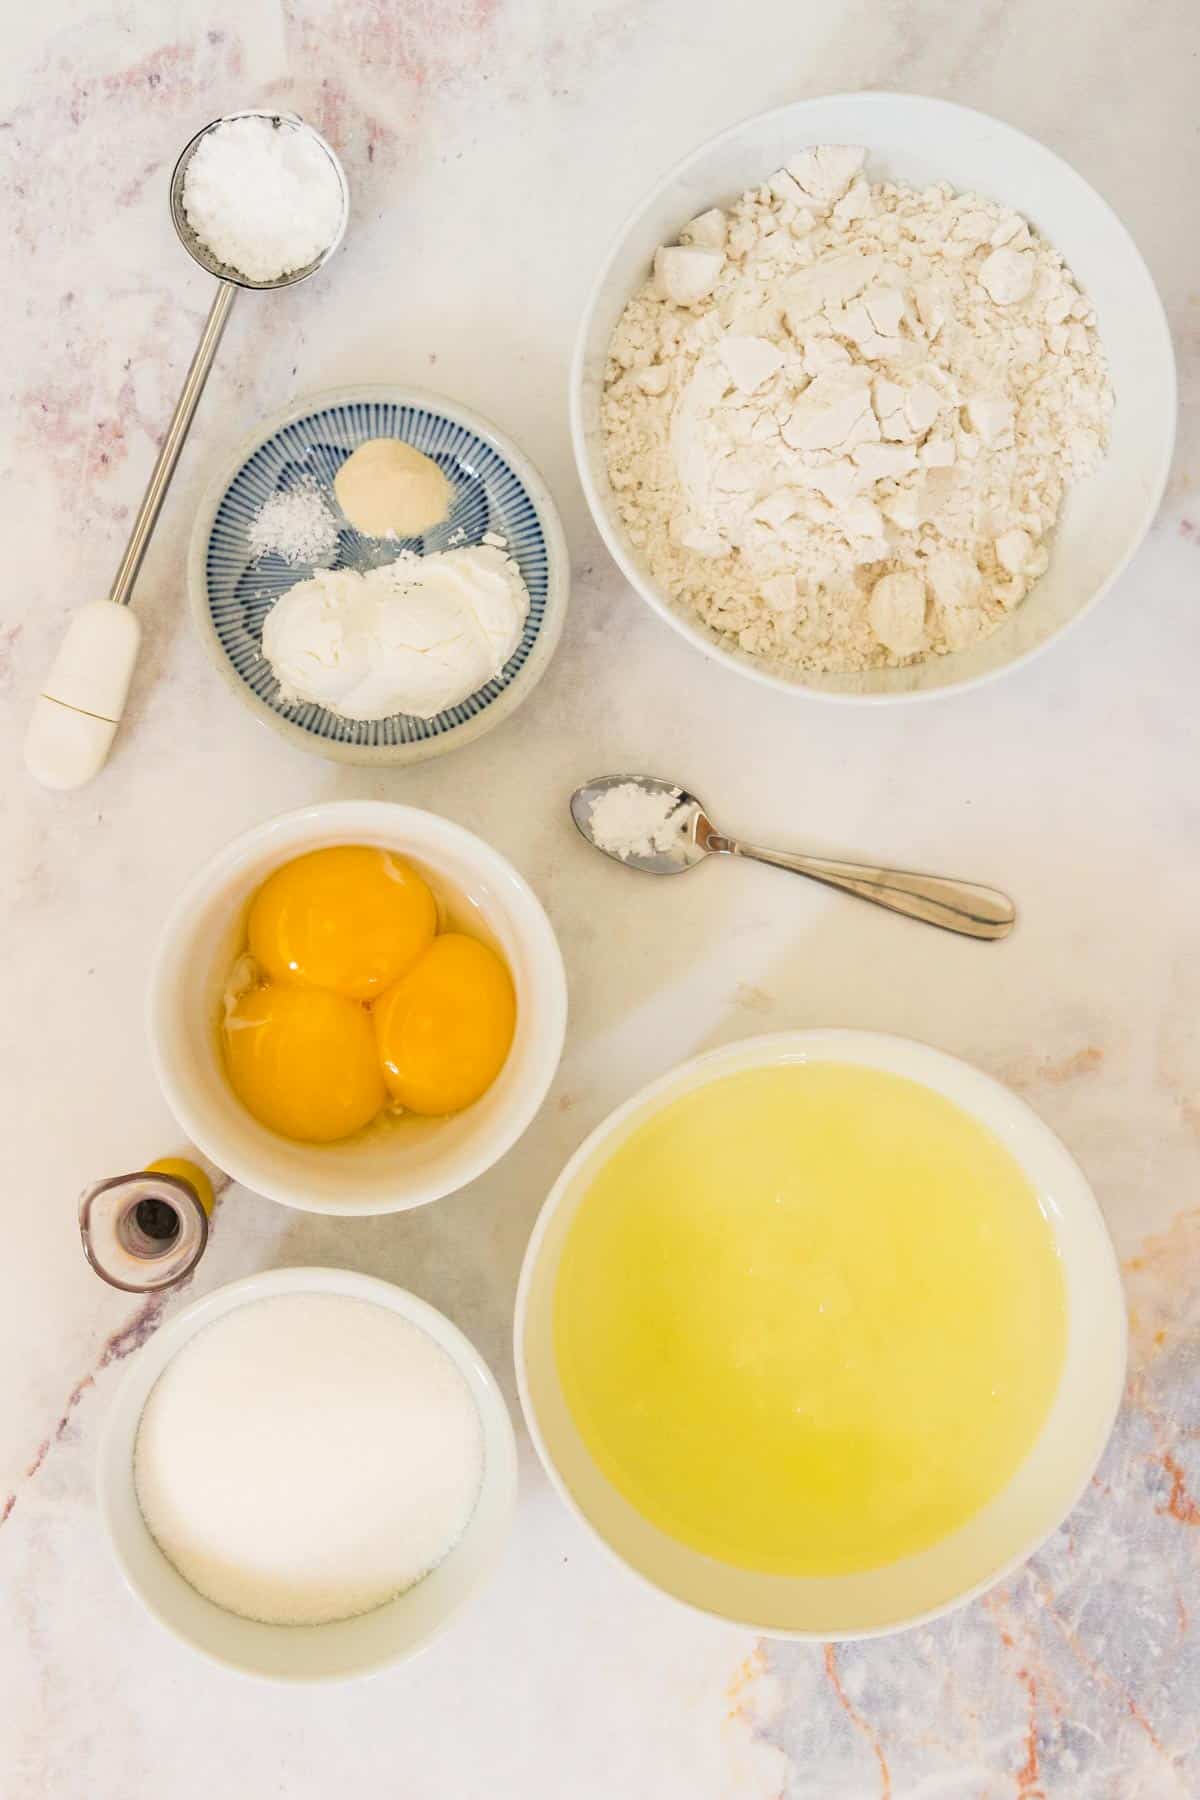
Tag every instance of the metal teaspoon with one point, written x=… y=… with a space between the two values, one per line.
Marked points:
x=690 y=836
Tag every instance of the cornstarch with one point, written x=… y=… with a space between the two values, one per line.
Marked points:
x=630 y=820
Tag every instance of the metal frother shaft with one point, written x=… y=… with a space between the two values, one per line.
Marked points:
x=121 y=590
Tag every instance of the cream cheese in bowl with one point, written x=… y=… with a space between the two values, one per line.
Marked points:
x=416 y=636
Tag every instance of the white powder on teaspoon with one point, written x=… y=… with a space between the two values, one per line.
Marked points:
x=307 y=1458
x=630 y=820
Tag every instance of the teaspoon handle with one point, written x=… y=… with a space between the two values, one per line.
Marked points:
x=962 y=906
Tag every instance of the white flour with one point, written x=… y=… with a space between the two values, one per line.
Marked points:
x=842 y=416
x=308 y=1457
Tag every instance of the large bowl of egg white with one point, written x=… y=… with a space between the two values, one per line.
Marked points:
x=822 y=1333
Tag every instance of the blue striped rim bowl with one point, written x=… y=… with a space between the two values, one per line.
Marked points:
x=496 y=489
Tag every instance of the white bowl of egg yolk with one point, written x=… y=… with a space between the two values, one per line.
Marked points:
x=356 y=1008
x=821 y=1334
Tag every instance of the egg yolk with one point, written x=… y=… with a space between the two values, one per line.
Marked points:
x=445 y=1028
x=351 y=919
x=303 y=1061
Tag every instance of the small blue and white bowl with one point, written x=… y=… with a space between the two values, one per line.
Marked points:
x=496 y=489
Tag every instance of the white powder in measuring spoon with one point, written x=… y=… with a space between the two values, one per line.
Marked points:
x=307 y=1458
x=264 y=198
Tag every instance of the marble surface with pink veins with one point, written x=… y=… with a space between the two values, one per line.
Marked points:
x=492 y=147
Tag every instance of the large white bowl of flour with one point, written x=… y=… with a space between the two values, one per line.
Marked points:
x=918 y=142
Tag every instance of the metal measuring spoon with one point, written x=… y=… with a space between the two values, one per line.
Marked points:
x=689 y=836
x=75 y=717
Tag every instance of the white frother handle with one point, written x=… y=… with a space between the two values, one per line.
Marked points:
x=75 y=717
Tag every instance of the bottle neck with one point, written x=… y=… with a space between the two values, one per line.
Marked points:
x=144 y=1231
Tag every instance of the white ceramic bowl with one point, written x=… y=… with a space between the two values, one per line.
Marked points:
x=1015 y=1521
x=920 y=141
x=380 y=1172
x=351 y=1647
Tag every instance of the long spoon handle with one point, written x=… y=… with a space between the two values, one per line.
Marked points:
x=962 y=906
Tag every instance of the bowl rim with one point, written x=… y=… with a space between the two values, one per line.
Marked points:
x=758 y=1051
x=159 y=1350
x=318 y=815
x=678 y=620
x=558 y=576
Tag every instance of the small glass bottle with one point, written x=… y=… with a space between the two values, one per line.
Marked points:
x=146 y=1231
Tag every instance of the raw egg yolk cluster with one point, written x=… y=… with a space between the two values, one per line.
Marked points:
x=362 y=1002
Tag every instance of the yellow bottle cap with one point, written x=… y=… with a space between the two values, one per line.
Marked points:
x=189 y=1172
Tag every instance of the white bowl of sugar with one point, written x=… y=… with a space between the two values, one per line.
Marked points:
x=306 y=1474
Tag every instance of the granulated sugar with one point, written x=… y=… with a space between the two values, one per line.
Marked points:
x=307 y=1458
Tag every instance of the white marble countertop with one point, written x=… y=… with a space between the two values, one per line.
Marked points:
x=492 y=147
